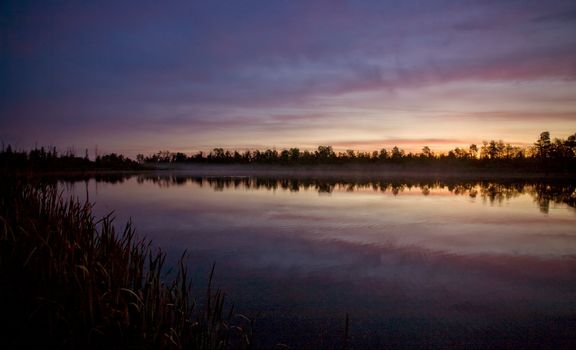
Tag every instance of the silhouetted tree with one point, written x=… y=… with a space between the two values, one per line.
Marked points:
x=426 y=152
x=294 y=154
x=383 y=154
x=558 y=155
x=543 y=145
x=397 y=153
x=324 y=153
x=473 y=151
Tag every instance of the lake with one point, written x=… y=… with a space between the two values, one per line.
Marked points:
x=417 y=264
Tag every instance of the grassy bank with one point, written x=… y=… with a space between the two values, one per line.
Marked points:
x=70 y=281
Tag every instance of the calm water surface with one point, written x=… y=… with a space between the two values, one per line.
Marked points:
x=415 y=265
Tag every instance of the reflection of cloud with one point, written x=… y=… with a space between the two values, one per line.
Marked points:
x=398 y=276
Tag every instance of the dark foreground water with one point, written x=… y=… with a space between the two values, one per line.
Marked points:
x=415 y=264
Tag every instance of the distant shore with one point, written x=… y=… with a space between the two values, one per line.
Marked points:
x=354 y=171
x=320 y=171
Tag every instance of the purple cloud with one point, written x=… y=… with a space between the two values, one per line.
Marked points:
x=209 y=65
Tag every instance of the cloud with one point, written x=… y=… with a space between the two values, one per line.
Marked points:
x=473 y=26
x=273 y=66
x=567 y=16
x=518 y=116
x=375 y=144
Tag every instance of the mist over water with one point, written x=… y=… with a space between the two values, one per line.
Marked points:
x=416 y=264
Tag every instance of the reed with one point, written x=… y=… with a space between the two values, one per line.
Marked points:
x=71 y=281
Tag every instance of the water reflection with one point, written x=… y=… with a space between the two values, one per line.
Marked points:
x=543 y=193
x=417 y=264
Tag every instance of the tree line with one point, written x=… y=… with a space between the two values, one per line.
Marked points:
x=544 y=150
x=557 y=154
x=50 y=158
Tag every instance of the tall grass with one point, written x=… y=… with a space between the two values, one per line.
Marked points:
x=71 y=281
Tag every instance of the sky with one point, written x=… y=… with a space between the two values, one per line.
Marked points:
x=188 y=75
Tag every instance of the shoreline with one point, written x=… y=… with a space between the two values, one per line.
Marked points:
x=317 y=171
x=362 y=171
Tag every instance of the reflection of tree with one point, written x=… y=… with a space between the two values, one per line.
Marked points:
x=544 y=193
x=325 y=187
x=497 y=192
x=462 y=189
x=425 y=190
